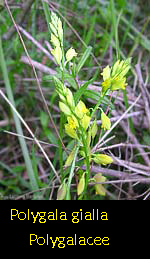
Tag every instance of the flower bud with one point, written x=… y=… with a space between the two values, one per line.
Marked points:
x=106 y=124
x=57 y=53
x=102 y=159
x=62 y=191
x=94 y=129
x=81 y=184
x=70 y=99
x=81 y=109
x=99 y=187
x=70 y=54
x=55 y=40
x=64 y=108
x=60 y=30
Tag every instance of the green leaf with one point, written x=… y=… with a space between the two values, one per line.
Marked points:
x=91 y=94
x=44 y=119
x=84 y=58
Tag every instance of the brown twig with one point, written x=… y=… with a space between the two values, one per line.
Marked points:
x=118 y=174
x=36 y=43
x=38 y=65
x=133 y=139
x=144 y=93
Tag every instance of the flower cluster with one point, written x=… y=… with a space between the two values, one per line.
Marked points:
x=114 y=78
x=57 y=41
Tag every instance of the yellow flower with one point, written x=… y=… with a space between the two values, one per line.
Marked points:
x=85 y=121
x=99 y=187
x=70 y=54
x=106 y=85
x=106 y=73
x=102 y=159
x=70 y=131
x=72 y=122
x=70 y=128
x=106 y=124
x=81 y=110
x=118 y=83
x=114 y=78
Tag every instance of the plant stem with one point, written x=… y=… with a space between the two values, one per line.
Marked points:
x=71 y=172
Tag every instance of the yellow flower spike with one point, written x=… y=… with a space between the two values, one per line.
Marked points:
x=81 y=184
x=81 y=109
x=99 y=187
x=102 y=159
x=64 y=108
x=57 y=53
x=70 y=54
x=106 y=124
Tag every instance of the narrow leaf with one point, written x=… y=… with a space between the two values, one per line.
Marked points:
x=84 y=58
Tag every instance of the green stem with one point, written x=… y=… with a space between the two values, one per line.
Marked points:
x=97 y=105
x=71 y=172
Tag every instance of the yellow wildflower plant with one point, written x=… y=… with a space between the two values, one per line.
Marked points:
x=106 y=124
x=102 y=159
x=99 y=187
x=114 y=78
